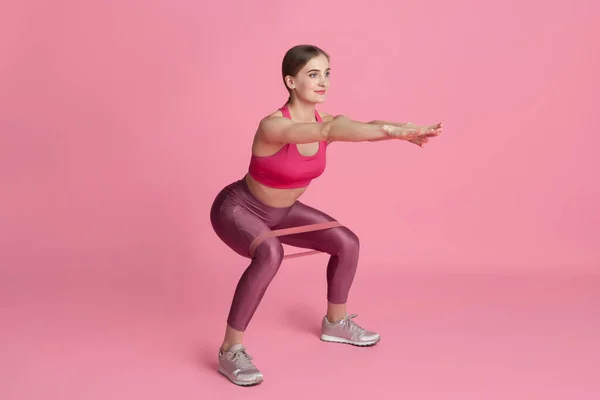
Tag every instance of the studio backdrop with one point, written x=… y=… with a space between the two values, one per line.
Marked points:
x=121 y=120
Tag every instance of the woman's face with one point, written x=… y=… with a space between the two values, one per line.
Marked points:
x=312 y=82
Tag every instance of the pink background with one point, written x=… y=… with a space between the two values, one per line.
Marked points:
x=121 y=120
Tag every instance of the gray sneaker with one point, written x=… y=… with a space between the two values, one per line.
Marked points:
x=347 y=331
x=236 y=365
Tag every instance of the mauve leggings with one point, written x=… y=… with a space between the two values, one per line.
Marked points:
x=238 y=217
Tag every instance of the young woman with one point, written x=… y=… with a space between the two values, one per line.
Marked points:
x=288 y=151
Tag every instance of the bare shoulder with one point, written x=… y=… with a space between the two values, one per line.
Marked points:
x=278 y=115
x=266 y=138
x=274 y=114
x=272 y=121
x=276 y=128
x=325 y=116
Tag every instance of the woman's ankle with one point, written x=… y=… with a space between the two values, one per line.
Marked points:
x=226 y=346
x=232 y=338
x=335 y=312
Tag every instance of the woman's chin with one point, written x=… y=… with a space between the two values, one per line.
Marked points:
x=315 y=99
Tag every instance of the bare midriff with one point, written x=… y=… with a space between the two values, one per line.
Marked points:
x=273 y=197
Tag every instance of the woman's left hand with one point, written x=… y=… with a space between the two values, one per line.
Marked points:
x=429 y=130
x=419 y=142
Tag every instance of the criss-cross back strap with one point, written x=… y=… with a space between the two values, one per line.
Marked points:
x=288 y=231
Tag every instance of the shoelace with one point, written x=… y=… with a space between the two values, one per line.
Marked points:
x=353 y=326
x=242 y=359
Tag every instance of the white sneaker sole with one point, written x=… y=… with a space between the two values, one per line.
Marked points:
x=334 y=339
x=240 y=383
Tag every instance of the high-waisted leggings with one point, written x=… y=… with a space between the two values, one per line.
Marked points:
x=238 y=217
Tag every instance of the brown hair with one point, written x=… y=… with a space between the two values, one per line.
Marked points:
x=296 y=58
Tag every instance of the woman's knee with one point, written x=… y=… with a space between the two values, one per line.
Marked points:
x=270 y=253
x=348 y=241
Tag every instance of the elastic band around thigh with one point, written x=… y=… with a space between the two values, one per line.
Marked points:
x=288 y=231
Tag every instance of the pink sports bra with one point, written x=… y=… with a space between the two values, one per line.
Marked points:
x=287 y=168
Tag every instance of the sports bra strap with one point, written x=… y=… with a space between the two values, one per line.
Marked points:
x=286 y=113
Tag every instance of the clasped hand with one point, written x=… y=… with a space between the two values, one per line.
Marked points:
x=416 y=134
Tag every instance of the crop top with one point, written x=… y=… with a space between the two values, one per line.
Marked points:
x=287 y=168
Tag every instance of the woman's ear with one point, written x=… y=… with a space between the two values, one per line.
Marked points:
x=289 y=81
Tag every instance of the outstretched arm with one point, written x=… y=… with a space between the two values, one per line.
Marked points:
x=409 y=125
x=344 y=129
x=335 y=129
x=429 y=130
x=332 y=129
x=396 y=130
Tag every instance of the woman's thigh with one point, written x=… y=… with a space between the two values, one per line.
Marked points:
x=237 y=227
x=330 y=240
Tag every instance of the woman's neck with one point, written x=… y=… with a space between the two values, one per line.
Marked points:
x=301 y=112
